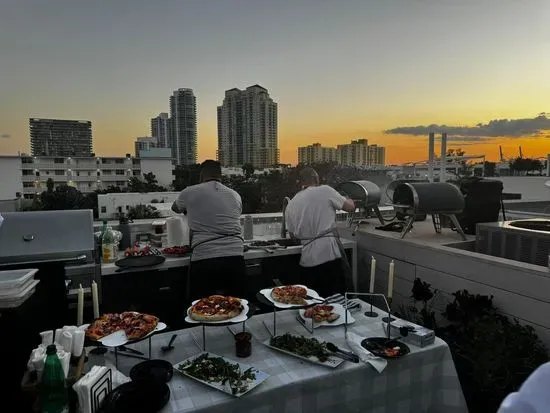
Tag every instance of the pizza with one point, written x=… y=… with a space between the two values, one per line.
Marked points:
x=321 y=313
x=135 y=325
x=216 y=308
x=290 y=294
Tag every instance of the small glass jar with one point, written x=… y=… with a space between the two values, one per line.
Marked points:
x=243 y=344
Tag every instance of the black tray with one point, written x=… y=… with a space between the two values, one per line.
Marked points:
x=159 y=371
x=134 y=397
x=376 y=345
x=136 y=262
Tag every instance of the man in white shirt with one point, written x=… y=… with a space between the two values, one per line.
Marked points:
x=311 y=217
x=213 y=213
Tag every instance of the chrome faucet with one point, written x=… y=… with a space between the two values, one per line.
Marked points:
x=283 y=227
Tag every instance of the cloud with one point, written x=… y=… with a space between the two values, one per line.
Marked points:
x=5 y=136
x=494 y=128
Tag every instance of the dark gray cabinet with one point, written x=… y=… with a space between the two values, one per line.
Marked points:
x=158 y=292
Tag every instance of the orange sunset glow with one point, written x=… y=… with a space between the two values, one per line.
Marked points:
x=381 y=66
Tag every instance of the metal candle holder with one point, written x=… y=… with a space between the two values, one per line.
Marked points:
x=387 y=320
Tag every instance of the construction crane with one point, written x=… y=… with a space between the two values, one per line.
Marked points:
x=520 y=152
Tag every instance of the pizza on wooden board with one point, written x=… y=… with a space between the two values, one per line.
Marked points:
x=321 y=313
x=135 y=325
x=290 y=294
x=216 y=308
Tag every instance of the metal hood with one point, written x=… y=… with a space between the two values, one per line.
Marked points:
x=47 y=235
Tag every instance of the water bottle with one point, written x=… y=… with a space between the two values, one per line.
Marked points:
x=248 y=232
x=109 y=250
x=54 y=394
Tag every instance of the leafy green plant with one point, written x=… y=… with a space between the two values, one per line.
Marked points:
x=143 y=212
x=493 y=354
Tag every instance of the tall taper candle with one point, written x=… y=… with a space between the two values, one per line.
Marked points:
x=95 y=300
x=80 y=307
x=390 y=280
x=372 y=272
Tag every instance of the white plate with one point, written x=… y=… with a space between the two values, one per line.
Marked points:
x=118 y=338
x=260 y=375
x=331 y=362
x=238 y=319
x=266 y=292
x=338 y=309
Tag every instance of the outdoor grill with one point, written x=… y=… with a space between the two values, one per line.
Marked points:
x=438 y=199
x=60 y=245
x=366 y=195
x=48 y=240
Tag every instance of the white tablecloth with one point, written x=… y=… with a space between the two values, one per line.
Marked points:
x=423 y=381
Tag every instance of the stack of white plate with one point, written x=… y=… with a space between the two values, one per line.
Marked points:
x=16 y=286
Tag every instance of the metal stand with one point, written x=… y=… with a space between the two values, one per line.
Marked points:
x=203 y=346
x=101 y=389
x=371 y=313
x=99 y=350
x=389 y=318
x=388 y=321
x=274 y=323
x=304 y=323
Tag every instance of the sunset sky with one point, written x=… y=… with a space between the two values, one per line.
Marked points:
x=338 y=69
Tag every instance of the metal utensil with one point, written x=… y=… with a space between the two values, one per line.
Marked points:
x=338 y=352
x=169 y=346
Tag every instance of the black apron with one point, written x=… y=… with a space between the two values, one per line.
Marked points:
x=346 y=269
x=215 y=237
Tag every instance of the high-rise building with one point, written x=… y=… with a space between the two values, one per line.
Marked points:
x=160 y=129
x=354 y=153
x=144 y=143
x=183 y=127
x=316 y=153
x=247 y=128
x=57 y=137
x=377 y=155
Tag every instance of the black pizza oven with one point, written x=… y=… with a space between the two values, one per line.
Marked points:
x=366 y=196
x=436 y=198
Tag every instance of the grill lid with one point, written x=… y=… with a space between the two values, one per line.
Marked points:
x=429 y=198
x=364 y=193
x=41 y=235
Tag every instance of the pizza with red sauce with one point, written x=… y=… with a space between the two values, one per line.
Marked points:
x=290 y=294
x=216 y=308
x=135 y=325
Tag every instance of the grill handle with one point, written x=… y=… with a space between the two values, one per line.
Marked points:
x=77 y=259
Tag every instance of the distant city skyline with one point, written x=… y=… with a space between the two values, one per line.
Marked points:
x=338 y=69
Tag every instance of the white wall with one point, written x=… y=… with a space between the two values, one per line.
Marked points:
x=109 y=203
x=161 y=168
x=10 y=177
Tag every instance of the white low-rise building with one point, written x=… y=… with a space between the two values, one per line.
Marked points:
x=28 y=175
x=109 y=205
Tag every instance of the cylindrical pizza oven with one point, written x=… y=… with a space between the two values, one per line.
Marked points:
x=429 y=198
x=365 y=194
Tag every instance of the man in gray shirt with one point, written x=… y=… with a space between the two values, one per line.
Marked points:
x=213 y=212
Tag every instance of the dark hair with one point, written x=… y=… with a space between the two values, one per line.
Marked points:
x=309 y=176
x=211 y=169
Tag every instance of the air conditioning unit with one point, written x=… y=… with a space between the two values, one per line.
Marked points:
x=525 y=240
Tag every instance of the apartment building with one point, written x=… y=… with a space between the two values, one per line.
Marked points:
x=247 y=128
x=58 y=137
x=183 y=127
x=316 y=153
x=376 y=155
x=144 y=143
x=160 y=129
x=356 y=153
x=86 y=174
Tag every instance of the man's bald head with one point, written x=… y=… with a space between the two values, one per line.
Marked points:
x=309 y=177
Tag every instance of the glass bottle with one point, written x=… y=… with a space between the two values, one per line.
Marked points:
x=109 y=250
x=54 y=394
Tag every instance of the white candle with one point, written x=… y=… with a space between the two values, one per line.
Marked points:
x=95 y=300
x=372 y=272
x=390 y=280
x=80 y=307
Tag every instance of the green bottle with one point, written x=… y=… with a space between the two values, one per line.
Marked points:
x=54 y=395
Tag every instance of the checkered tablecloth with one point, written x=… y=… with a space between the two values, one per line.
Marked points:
x=423 y=381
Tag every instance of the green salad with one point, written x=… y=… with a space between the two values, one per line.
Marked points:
x=218 y=370
x=302 y=346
